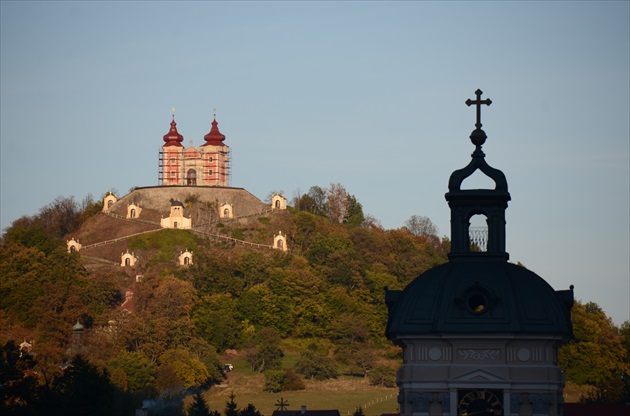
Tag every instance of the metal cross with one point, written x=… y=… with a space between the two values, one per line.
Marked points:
x=478 y=102
x=282 y=404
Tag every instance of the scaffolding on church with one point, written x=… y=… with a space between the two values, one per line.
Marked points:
x=193 y=169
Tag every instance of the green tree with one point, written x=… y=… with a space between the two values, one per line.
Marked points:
x=354 y=216
x=358 y=412
x=263 y=351
x=315 y=366
x=231 y=408
x=249 y=410
x=187 y=366
x=81 y=389
x=138 y=370
x=383 y=376
x=199 y=407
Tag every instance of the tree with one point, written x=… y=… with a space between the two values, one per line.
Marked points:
x=358 y=412
x=596 y=355
x=187 y=367
x=419 y=225
x=354 y=216
x=337 y=203
x=81 y=389
x=138 y=370
x=199 y=407
x=231 y=406
x=263 y=350
x=383 y=376
x=249 y=410
x=282 y=380
x=316 y=366
x=17 y=378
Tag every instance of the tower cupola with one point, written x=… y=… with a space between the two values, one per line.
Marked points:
x=173 y=138
x=466 y=203
x=214 y=137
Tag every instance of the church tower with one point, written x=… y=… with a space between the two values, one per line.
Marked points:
x=480 y=335
x=207 y=165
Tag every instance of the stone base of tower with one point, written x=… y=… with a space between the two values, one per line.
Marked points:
x=464 y=375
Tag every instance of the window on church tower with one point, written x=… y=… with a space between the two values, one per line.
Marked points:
x=210 y=159
x=209 y=173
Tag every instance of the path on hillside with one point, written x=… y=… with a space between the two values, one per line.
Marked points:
x=194 y=229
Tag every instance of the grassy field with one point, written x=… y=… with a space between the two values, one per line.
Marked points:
x=344 y=394
x=373 y=401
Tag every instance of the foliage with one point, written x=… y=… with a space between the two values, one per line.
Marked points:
x=316 y=366
x=596 y=356
x=187 y=367
x=199 y=407
x=282 y=380
x=134 y=372
x=383 y=376
x=420 y=225
x=358 y=412
x=81 y=389
x=263 y=350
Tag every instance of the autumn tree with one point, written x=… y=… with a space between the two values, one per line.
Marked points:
x=420 y=225
x=596 y=355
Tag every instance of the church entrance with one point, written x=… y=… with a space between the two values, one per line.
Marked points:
x=191 y=177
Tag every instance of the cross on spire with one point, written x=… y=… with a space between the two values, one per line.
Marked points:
x=478 y=102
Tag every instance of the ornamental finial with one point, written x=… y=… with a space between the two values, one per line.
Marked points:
x=478 y=136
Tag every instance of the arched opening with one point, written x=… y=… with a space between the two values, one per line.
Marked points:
x=226 y=212
x=175 y=224
x=280 y=244
x=277 y=203
x=110 y=203
x=73 y=249
x=127 y=261
x=186 y=260
x=191 y=177
x=132 y=214
x=478 y=180
x=478 y=233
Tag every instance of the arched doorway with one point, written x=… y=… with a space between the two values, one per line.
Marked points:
x=191 y=177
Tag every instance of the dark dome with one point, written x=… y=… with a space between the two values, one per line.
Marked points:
x=472 y=296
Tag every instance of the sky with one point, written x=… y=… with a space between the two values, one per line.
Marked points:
x=370 y=95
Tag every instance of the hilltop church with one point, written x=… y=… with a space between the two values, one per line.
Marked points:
x=206 y=165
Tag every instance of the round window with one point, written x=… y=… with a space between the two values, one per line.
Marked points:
x=477 y=303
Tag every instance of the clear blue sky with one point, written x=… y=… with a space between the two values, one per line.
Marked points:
x=367 y=94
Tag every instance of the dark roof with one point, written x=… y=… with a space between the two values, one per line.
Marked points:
x=477 y=296
x=306 y=413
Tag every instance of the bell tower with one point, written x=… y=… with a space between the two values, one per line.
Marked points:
x=480 y=335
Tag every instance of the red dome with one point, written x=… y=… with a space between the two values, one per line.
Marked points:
x=214 y=138
x=173 y=138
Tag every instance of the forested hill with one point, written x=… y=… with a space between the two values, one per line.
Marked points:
x=160 y=327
